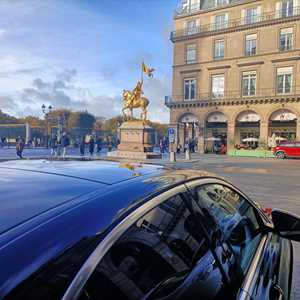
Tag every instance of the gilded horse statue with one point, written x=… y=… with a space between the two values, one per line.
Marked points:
x=133 y=100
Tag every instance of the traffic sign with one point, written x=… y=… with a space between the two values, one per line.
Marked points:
x=171 y=135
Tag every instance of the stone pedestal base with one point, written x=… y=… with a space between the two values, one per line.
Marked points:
x=136 y=141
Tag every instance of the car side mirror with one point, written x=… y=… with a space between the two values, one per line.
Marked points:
x=286 y=224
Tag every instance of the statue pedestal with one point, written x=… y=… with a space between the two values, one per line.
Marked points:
x=137 y=140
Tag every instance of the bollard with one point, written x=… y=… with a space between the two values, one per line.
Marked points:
x=172 y=156
x=187 y=155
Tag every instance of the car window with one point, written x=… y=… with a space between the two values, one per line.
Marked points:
x=52 y=280
x=236 y=219
x=288 y=145
x=163 y=255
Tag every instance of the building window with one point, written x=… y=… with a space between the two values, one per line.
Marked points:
x=191 y=53
x=219 y=49
x=192 y=27
x=287 y=8
x=286 y=39
x=221 y=2
x=217 y=85
x=284 y=80
x=189 y=89
x=251 y=15
x=220 y=22
x=195 y=5
x=250 y=47
x=249 y=83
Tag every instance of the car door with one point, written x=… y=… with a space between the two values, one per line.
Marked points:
x=297 y=149
x=289 y=149
x=270 y=274
x=161 y=252
x=256 y=263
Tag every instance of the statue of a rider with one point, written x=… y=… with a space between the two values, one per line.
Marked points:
x=137 y=92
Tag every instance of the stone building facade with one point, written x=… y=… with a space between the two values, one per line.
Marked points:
x=236 y=72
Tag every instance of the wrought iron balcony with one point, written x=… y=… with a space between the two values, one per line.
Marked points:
x=233 y=96
x=236 y=24
x=190 y=9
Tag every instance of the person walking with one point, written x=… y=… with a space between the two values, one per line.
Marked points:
x=53 y=145
x=161 y=146
x=99 y=145
x=20 y=144
x=91 y=145
x=65 y=142
x=82 y=146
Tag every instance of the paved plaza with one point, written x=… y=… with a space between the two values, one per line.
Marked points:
x=272 y=183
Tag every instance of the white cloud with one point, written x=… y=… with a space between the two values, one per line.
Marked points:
x=2 y=32
x=58 y=52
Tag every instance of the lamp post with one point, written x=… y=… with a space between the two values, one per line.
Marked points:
x=46 y=111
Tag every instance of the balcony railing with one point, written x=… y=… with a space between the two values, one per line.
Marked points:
x=234 y=24
x=232 y=96
x=189 y=9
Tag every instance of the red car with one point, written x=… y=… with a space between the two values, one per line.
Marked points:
x=287 y=149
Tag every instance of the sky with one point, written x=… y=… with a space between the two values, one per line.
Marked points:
x=81 y=54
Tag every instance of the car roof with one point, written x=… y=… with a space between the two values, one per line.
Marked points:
x=288 y=142
x=30 y=188
x=47 y=207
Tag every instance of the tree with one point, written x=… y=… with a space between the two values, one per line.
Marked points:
x=6 y=119
x=81 y=120
x=111 y=125
x=54 y=115
x=161 y=129
x=33 y=121
x=98 y=125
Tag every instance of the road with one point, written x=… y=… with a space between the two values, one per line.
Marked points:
x=272 y=183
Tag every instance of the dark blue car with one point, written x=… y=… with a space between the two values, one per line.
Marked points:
x=110 y=231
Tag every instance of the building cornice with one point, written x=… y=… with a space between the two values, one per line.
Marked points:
x=285 y=59
x=179 y=35
x=253 y=63
x=218 y=67
x=190 y=71
x=208 y=10
x=279 y=99
x=234 y=59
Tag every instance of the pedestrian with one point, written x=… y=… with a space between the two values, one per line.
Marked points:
x=109 y=144
x=20 y=144
x=99 y=145
x=53 y=145
x=65 y=142
x=91 y=145
x=178 y=150
x=82 y=146
x=186 y=145
x=161 y=146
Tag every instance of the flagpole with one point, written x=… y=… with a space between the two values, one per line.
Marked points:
x=142 y=74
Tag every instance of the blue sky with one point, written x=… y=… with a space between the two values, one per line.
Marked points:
x=81 y=54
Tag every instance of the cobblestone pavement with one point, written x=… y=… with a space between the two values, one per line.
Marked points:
x=272 y=183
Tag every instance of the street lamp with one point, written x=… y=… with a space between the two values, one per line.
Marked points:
x=46 y=111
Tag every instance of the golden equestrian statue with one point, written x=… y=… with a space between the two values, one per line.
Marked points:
x=134 y=99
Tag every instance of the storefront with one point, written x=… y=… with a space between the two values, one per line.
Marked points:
x=247 y=130
x=282 y=126
x=215 y=131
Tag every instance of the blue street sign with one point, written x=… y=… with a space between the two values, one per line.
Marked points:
x=171 y=135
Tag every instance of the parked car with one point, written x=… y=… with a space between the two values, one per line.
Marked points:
x=287 y=149
x=103 y=230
